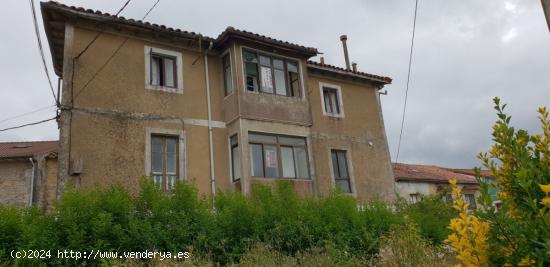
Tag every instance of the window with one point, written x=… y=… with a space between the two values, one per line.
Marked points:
x=164 y=161
x=415 y=197
x=227 y=75
x=448 y=198
x=271 y=75
x=278 y=156
x=471 y=200
x=331 y=97
x=163 y=70
x=340 y=170
x=235 y=158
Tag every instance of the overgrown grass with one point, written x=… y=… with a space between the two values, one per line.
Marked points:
x=334 y=229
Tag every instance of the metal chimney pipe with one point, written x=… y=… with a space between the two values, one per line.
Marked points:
x=344 y=38
x=354 y=66
x=323 y=60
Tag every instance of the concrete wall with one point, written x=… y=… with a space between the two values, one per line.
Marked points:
x=15 y=179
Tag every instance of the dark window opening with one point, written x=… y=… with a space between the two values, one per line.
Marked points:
x=271 y=75
x=340 y=170
x=227 y=75
x=163 y=70
x=330 y=97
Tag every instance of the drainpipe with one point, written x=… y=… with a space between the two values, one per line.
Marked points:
x=32 y=182
x=210 y=142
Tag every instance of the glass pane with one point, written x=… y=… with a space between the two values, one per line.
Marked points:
x=280 y=82
x=236 y=163
x=233 y=140
x=169 y=66
x=263 y=138
x=287 y=140
x=250 y=57
x=171 y=163
x=292 y=67
x=267 y=80
x=171 y=182
x=265 y=61
x=300 y=156
x=342 y=164
x=228 y=81
x=328 y=105
x=287 y=156
x=171 y=145
x=343 y=185
x=294 y=83
x=156 y=154
x=155 y=70
x=157 y=179
x=278 y=64
x=271 y=161
x=335 y=170
x=257 y=164
x=334 y=102
x=251 y=77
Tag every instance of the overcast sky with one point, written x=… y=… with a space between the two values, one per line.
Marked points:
x=466 y=52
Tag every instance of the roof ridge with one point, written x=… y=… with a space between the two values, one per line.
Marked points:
x=39 y=141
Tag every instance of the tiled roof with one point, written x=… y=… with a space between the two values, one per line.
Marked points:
x=381 y=79
x=429 y=174
x=120 y=19
x=484 y=173
x=28 y=149
x=230 y=31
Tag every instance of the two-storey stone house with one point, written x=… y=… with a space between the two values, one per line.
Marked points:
x=140 y=99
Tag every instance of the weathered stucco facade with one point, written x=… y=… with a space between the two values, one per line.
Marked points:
x=112 y=109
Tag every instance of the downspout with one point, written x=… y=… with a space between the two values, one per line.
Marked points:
x=210 y=142
x=32 y=182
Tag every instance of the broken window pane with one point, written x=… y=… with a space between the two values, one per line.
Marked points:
x=287 y=157
x=251 y=76
x=256 y=162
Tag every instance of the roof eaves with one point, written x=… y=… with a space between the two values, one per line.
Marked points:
x=349 y=73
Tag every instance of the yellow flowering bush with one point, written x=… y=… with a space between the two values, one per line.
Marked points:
x=519 y=232
x=469 y=234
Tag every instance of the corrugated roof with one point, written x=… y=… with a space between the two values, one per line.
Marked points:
x=28 y=149
x=429 y=174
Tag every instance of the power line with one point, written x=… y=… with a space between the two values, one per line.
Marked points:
x=408 y=80
x=111 y=57
x=100 y=32
x=27 y=113
x=41 y=49
x=28 y=124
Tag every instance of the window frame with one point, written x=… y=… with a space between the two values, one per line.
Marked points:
x=272 y=57
x=278 y=146
x=223 y=56
x=348 y=155
x=149 y=53
x=471 y=205
x=164 y=173
x=231 y=158
x=348 y=168
x=340 y=100
x=181 y=161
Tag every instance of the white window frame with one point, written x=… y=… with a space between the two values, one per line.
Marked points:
x=340 y=99
x=182 y=164
x=350 y=168
x=179 y=70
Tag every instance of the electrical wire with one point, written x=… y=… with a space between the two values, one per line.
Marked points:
x=110 y=57
x=28 y=124
x=408 y=80
x=25 y=114
x=41 y=50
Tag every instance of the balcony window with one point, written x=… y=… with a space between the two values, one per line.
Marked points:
x=271 y=75
x=164 y=161
x=278 y=156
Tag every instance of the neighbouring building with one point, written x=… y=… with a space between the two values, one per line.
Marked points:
x=412 y=181
x=140 y=99
x=487 y=177
x=28 y=173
